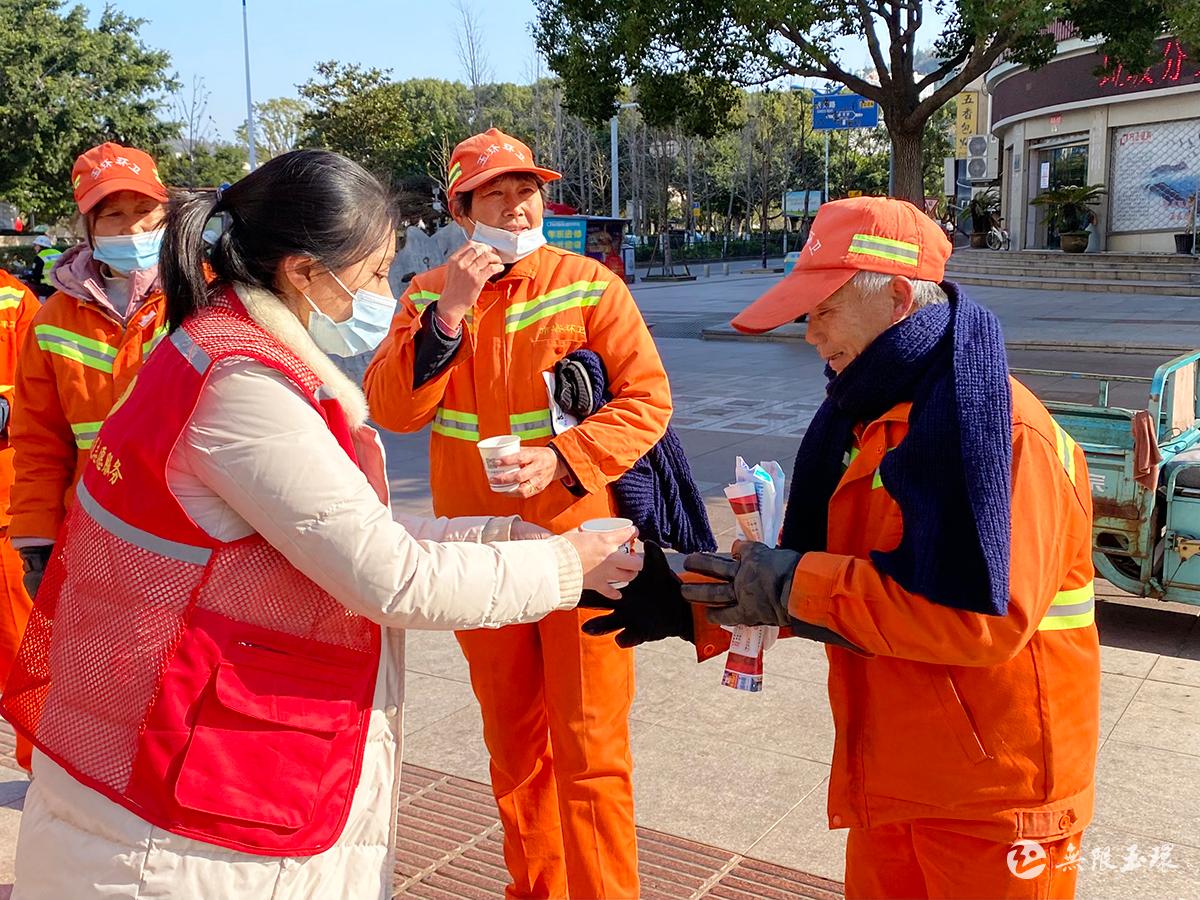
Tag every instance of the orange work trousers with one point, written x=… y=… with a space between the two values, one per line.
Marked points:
x=912 y=860
x=555 y=706
x=15 y=607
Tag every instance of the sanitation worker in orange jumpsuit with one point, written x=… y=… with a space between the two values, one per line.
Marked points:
x=18 y=306
x=89 y=341
x=468 y=353
x=938 y=538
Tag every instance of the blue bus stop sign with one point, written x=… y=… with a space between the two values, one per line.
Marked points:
x=837 y=112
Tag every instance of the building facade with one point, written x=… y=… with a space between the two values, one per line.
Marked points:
x=1138 y=133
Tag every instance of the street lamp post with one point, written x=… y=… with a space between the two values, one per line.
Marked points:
x=249 y=101
x=612 y=143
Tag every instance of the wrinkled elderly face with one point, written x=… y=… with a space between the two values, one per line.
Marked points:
x=848 y=322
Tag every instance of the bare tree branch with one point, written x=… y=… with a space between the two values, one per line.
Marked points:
x=944 y=69
x=895 y=38
x=828 y=68
x=472 y=54
x=978 y=63
x=915 y=17
x=868 y=25
x=197 y=123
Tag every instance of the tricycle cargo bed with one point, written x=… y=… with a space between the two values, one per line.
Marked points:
x=1146 y=530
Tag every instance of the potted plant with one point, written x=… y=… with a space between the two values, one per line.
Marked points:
x=982 y=208
x=1068 y=210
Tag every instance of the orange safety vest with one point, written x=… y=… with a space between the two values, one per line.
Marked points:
x=80 y=360
x=988 y=721
x=210 y=688
x=548 y=305
x=18 y=306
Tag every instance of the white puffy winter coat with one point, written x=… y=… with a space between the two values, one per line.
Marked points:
x=257 y=457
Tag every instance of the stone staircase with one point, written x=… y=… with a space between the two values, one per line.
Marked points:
x=1125 y=273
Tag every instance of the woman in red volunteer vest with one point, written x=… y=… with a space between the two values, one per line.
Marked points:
x=216 y=650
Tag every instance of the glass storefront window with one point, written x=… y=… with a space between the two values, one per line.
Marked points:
x=1058 y=167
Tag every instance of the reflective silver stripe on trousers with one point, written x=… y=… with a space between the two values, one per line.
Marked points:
x=191 y=351
x=183 y=552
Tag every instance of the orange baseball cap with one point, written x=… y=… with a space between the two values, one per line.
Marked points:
x=862 y=234
x=483 y=157
x=110 y=168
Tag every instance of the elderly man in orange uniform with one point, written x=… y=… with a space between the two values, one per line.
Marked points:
x=940 y=523
x=468 y=353
x=18 y=306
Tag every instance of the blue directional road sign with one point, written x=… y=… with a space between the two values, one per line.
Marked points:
x=836 y=112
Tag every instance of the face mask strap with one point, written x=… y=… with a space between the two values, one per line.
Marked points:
x=341 y=284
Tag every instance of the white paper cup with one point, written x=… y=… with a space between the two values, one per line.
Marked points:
x=604 y=526
x=493 y=450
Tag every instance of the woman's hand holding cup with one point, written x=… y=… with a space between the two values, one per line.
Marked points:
x=606 y=559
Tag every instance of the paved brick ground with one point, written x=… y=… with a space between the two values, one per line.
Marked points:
x=449 y=846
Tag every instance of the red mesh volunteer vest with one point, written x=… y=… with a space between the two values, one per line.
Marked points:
x=210 y=688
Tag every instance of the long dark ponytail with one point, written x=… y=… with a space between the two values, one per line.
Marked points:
x=305 y=203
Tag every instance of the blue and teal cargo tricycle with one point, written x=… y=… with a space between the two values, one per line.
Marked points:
x=1145 y=541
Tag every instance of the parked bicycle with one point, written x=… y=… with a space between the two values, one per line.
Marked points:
x=997 y=236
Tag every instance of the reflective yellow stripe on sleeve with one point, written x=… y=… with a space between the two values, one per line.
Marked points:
x=1074 y=608
x=159 y=333
x=453 y=424
x=1066 y=450
x=532 y=424
x=422 y=299
x=85 y=433
x=83 y=350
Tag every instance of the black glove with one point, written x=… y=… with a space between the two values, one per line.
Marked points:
x=757 y=580
x=34 y=560
x=573 y=389
x=757 y=584
x=651 y=606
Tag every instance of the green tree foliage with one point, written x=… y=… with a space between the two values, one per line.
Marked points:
x=66 y=86
x=684 y=60
x=1132 y=26
x=765 y=147
x=362 y=114
x=279 y=126
x=208 y=165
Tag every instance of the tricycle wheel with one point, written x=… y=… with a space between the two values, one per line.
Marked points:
x=1126 y=565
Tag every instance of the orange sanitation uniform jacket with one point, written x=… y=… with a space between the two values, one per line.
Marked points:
x=567 y=813
x=79 y=361
x=18 y=306
x=967 y=725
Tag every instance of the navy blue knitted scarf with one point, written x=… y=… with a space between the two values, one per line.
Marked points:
x=952 y=473
x=658 y=493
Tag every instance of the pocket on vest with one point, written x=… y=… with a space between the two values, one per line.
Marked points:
x=261 y=740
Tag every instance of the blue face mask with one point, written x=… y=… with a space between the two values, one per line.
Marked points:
x=370 y=318
x=125 y=253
